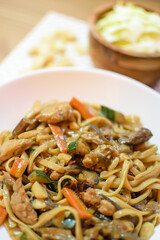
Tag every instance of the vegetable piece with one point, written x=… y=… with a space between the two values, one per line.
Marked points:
x=75 y=202
x=25 y=179
x=54 y=186
x=90 y=177
x=82 y=108
x=101 y=216
x=23 y=236
x=58 y=135
x=18 y=168
x=39 y=176
x=113 y=115
x=139 y=33
x=78 y=147
x=108 y=113
x=38 y=204
x=69 y=223
x=39 y=191
x=32 y=149
x=65 y=157
x=121 y=191
x=3 y=215
x=50 y=204
x=72 y=146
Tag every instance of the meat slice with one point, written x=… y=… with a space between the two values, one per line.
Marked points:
x=103 y=206
x=137 y=137
x=25 y=125
x=21 y=204
x=106 y=208
x=56 y=113
x=78 y=186
x=53 y=233
x=13 y=147
x=92 y=137
x=73 y=169
x=100 y=158
x=93 y=134
x=8 y=180
x=95 y=161
x=106 y=150
x=91 y=197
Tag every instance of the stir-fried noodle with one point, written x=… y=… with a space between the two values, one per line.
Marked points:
x=76 y=170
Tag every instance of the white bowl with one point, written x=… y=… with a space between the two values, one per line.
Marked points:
x=99 y=86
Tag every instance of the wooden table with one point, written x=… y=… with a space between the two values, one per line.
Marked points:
x=18 y=17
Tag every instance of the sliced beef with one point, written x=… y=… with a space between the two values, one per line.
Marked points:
x=21 y=204
x=56 y=113
x=13 y=147
x=25 y=125
x=136 y=137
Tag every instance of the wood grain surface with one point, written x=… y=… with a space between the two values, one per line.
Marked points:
x=18 y=17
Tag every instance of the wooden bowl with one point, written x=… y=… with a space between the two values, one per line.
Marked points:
x=142 y=67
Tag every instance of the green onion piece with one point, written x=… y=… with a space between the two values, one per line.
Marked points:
x=32 y=150
x=23 y=236
x=54 y=186
x=41 y=177
x=101 y=216
x=72 y=146
x=68 y=223
x=108 y=113
x=121 y=191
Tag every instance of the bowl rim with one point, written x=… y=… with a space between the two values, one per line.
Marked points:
x=105 y=8
x=82 y=70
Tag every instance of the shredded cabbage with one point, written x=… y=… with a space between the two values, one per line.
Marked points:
x=131 y=28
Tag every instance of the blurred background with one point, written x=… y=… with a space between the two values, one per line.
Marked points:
x=18 y=17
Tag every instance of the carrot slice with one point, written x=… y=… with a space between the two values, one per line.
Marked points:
x=59 y=137
x=18 y=167
x=3 y=215
x=82 y=108
x=75 y=202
